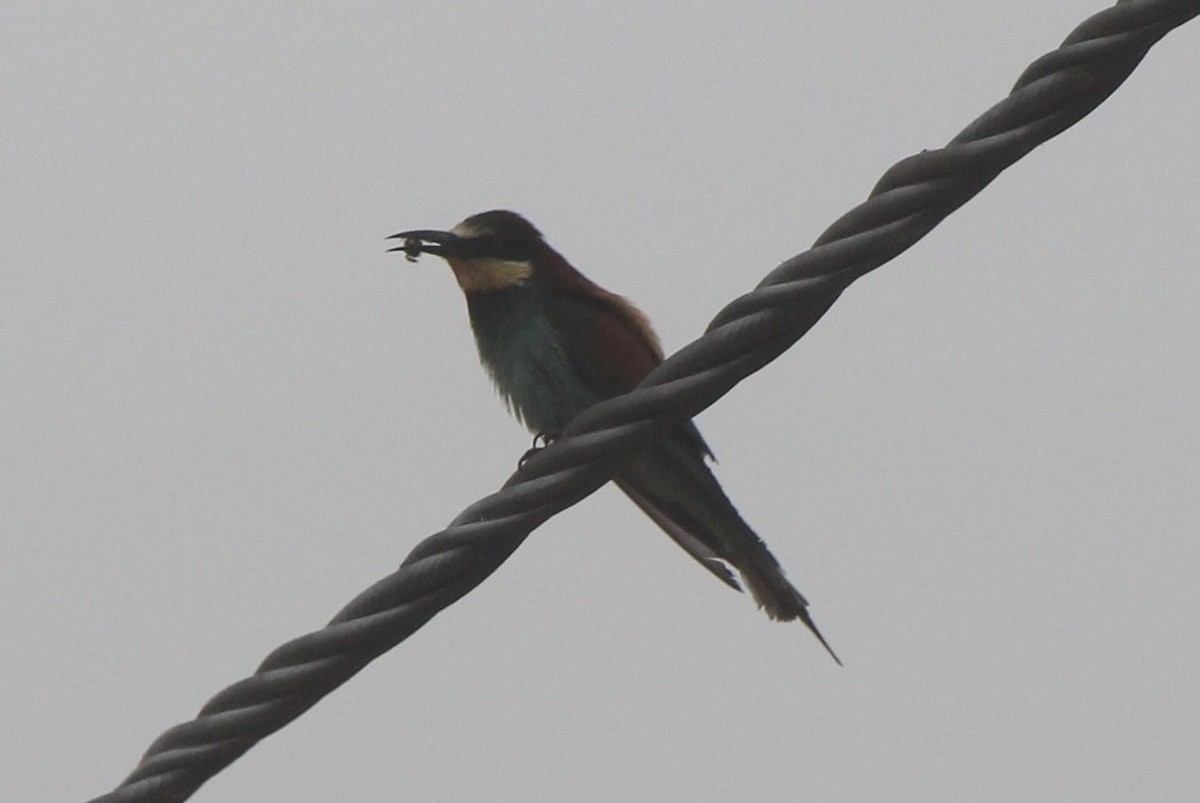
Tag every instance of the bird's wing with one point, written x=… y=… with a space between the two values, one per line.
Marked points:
x=704 y=555
x=612 y=347
x=607 y=339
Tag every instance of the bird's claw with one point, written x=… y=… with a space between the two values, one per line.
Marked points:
x=540 y=441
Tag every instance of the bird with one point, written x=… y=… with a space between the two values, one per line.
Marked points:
x=555 y=343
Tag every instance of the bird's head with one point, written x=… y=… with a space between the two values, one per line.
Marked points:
x=490 y=251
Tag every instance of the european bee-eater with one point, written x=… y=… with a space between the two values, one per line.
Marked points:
x=555 y=343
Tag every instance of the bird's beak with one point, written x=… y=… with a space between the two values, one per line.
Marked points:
x=426 y=241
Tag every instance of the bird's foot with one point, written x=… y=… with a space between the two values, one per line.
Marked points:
x=540 y=441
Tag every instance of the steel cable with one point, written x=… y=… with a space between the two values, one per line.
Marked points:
x=911 y=198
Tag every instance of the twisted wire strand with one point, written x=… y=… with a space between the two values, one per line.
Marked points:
x=911 y=198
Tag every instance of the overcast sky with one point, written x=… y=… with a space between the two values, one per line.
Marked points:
x=224 y=410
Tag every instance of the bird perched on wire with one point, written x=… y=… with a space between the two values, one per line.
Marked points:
x=555 y=343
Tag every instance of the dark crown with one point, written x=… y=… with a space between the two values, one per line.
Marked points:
x=501 y=234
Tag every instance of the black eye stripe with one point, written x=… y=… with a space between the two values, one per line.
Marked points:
x=492 y=246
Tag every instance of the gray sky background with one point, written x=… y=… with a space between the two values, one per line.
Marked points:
x=225 y=410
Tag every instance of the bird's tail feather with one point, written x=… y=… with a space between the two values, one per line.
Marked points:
x=682 y=496
x=771 y=589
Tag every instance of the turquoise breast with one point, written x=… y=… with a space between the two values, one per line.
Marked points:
x=526 y=360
